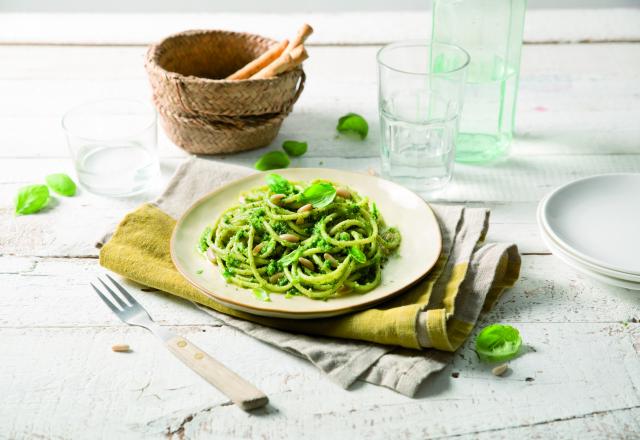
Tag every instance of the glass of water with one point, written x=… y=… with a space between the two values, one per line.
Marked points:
x=420 y=93
x=113 y=145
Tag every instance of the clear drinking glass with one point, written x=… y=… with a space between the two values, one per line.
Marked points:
x=113 y=146
x=491 y=31
x=420 y=93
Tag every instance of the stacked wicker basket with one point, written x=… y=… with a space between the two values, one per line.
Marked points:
x=203 y=111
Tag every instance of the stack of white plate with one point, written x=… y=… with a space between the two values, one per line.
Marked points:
x=593 y=225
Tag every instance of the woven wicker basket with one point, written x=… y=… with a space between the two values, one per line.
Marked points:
x=206 y=115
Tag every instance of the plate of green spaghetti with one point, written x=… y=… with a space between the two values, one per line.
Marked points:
x=306 y=243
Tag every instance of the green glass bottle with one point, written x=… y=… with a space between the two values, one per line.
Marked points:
x=491 y=31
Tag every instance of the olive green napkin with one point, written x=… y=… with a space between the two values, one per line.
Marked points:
x=397 y=344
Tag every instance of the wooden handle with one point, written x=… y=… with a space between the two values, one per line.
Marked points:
x=241 y=392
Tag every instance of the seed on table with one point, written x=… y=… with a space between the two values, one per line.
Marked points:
x=327 y=256
x=120 y=348
x=306 y=263
x=258 y=248
x=276 y=198
x=500 y=370
x=211 y=256
x=305 y=208
x=276 y=277
x=290 y=238
x=343 y=192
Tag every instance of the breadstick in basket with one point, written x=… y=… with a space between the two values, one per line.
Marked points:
x=287 y=61
x=261 y=62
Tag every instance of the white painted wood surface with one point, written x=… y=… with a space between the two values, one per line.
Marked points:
x=578 y=115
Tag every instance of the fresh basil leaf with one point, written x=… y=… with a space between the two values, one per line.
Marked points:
x=294 y=148
x=357 y=255
x=61 y=184
x=498 y=343
x=354 y=124
x=319 y=194
x=261 y=294
x=278 y=184
x=31 y=199
x=272 y=160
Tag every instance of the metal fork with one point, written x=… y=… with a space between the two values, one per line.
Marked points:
x=241 y=392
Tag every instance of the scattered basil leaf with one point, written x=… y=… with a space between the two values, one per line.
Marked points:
x=354 y=124
x=319 y=194
x=31 y=199
x=294 y=148
x=202 y=243
x=278 y=184
x=272 y=160
x=357 y=254
x=199 y=271
x=498 y=343
x=261 y=294
x=61 y=184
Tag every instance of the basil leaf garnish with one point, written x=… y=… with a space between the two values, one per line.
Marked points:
x=352 y=123
x=319 y=194
x=272 y=160
x=61 y=184
x=294 y=148
x=31 y=199
x=357 y=255
x=278 y=184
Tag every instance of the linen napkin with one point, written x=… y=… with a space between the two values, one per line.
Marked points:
x=397 y=344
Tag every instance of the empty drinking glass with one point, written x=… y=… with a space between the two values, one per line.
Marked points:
x=420 y=93
x=113 y=146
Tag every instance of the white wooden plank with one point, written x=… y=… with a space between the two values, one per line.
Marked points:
x=71 y=376
x=567 y=105
x=331 y=28
x=620 y=424
x=37 y=292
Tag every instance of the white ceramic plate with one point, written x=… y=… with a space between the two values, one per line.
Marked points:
x=597 y=219
x=588 y=265
x=577 y=265
x=418 y=252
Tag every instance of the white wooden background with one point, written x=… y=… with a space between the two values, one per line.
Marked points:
x=578 y=114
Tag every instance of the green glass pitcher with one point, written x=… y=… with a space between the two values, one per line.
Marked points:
x=491 y=31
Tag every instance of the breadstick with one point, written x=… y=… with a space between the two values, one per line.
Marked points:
x=303 y=34
x=286 y=61
x=261 y=62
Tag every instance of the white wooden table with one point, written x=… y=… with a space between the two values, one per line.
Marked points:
x=578 y=114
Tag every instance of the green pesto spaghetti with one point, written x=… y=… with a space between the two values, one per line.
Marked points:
x=319 y=239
